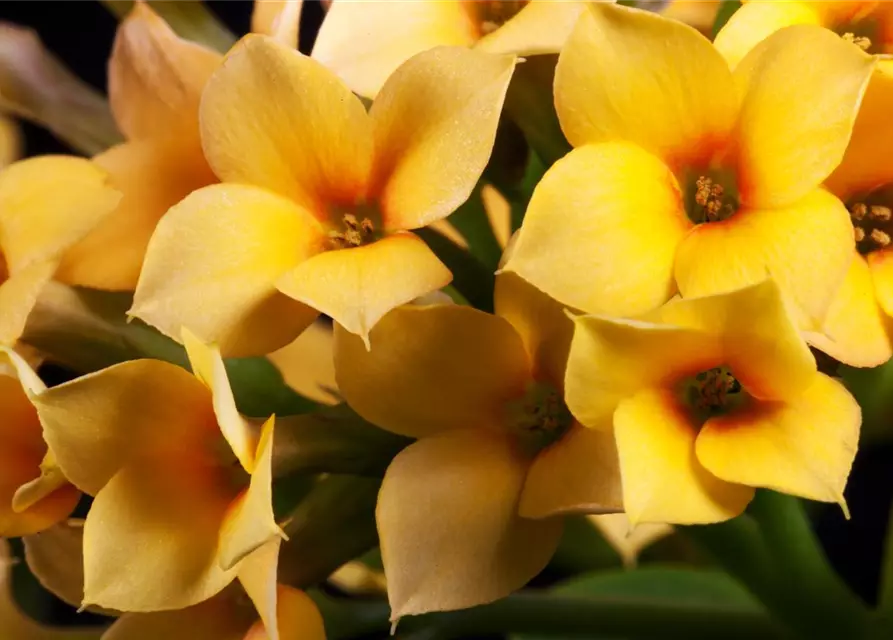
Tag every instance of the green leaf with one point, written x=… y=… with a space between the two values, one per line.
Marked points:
x=582 y=548
x=472 y=222
x=260 y=390
x=873 y=390
x=726 y=9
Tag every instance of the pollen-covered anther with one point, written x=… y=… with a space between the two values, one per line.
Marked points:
x=872 y=226
x=539 y=417
x=711 y=389
x=492 y=14
x=880 y=238
x=710 y=196
x=860 y=41
x=355 y=232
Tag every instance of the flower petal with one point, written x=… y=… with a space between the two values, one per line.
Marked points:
x=626 y=540
x=796 y=119
x=432 y=368
x=612 y=212
x=541 y=27
x=579 y=473
x=165 y=409
x=347 y=284
x=297 y=615
x=635 y=76
x=754 y=21
x=540 y=321
x=216 y=619
x=881 y=265
x=152 y=176
x=805 y=247
x=443 y=103
x=212 y=265
x=662 y=479
x=279 y=19
x=47 y=204
x=18 y=295
x=364 y=42
x=257 y=575
x=308 y=137
x=856 y=331
x=804 y=446
x=10 y=141
x=462 y=543
x=55 y=557
x=156 y=78
x=307 y=365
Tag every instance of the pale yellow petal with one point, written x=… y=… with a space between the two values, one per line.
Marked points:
x=18 y=295
x=279 y=19
x=307 y=364
x=881 y=265
x=257 y=575
x=628 y=541
x=462 y=543
x=450 y=367
x=212 y=265
x=357 y=286
x=220 y=618
x=55 y=557
x=298 y=618
x=541 y=27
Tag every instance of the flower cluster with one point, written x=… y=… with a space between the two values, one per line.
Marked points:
x=722 y=219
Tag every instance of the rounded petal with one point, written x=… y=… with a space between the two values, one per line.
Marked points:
x=279 y=19
x=364 y=42
x=308 y=138
x=307 y=365
x=541 y=27
x=443 y=103
x=881 y=265
x=219 y=618
x=796 y=119
x=18 y=295
x=47 y=204
x=804 y=446
x=856 y=331
x=662 y=479
x=580 y=473
x=297 y=615
x=212 y=264
x=601 y=231
x=805 y=247
x=153 y=177
x=55 y=557
x=635 y=76
x=447 y=367
x=156 y=78
x=463 y=543
x=754 y=21
x=356 y=287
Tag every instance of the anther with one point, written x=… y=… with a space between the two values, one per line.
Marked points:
x=880 y=238
x=355 y=234
x=879 y=213
x=860 y=41
x=859 y=234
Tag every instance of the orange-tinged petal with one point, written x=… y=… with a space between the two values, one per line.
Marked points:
x=53 y=507
x=357 y=286
x=462 y=543
x=443 y=103
x=804 y=445
x=756 y=334
x=152 y=176
x=754 y=21
x=212 y=265
x=298 y=618
x=308 y=138
x=611 y=359
x=364 y=42
x=18 y=295
x=279 y=19
x=662 y=479
x=579 y=473
x=47 y=204
x=856 y=331
x=881 y=265
x=219 y=618
x=796 y=119
x=307 y=365
x=805 y=247
x=541 y=322
x=166 y=411
x=632 y=75
x=541 y=27
x=156 y=78
x=432 y=368
x=613 y=213
x=865 y=165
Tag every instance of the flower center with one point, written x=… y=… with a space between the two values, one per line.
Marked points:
x=354 y=232
x=872 y=219
x=711 y=197
x=864 y=31
x=711 y=392
x=539 y=417
x=492 y=14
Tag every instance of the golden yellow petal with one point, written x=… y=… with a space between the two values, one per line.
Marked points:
x=18 y=295
x=279 y=19
x=541 y=27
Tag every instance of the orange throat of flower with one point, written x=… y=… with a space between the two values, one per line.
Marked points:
x=712 y=392
x=710 y=196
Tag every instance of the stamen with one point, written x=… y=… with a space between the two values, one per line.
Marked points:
x=862 y=42
x=711 y=197
x=492 y=14
x=880 y=238
x=872 y=226
x=356 y=233
x=539 y=417
x=709 y=391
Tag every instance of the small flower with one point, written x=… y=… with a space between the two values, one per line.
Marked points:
x=708 y=398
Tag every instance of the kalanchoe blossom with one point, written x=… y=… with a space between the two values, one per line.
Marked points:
x=182 y=483
x=34 y=494
x=467 y=514
x=857 y=330
x=689 y=177
x=318 y=195
x=708 y=398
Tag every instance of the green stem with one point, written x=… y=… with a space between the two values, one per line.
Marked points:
x=472 y=222
x=470 y=277
x=190 y=19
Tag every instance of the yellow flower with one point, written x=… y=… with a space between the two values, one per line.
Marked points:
x=182 y=483
x=498 y=455
x=708 y=398
x=34 y=495
x=857 y=329
x=364 y=42
x=318 y=195
x=700 y=14
x=47 y=204
x=689 y=177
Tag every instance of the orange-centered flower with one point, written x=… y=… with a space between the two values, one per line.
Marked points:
x=708 y=398
x=364 y=42
x=687 y=177
x=318 y=195
x=182 y=483
x=857 y=328
x=498 y=454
